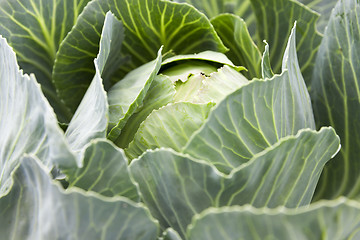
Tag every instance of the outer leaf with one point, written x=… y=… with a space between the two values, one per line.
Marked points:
x=178 y=27
x=337 y=219
x=27 y=122
x=336 y=95
x=149 y=24
x=255 y=117
x=210 y=8
x=323 y=7
x=104 y=171
x=243 y=51
x=175 y=187
x=94 y=105
x=213 y=8
x=248 y=121
x=35 y=28
x=274 y=22
x=90 y=119
x=111 y=40
x=128 y=95
x=36 y=208
x=170 y=126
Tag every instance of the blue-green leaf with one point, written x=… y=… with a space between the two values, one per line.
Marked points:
x=175 y=187
x=275 y=19
x=242 y=50
x=27 y=122
x=328 y=220
x=213 y=8
x=35 y=29
x=336 y=96
x=323 y=7
x=104 y=170
x=37 y=208
x=149 y=24
x=255 y=117
x=109 y=58
x=91 y=117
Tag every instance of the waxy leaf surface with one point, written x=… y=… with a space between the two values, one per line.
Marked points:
x=336 y=96
x=104 y=170
x=255 y=117
x=35 y=29
x=328 y=220
x=27 y=122
x=175 y=187
x=37 y=208
x=275 y=19
x=149 y=24
x=242 y=50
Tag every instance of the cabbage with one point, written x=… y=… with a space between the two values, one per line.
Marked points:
x=159 y=119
